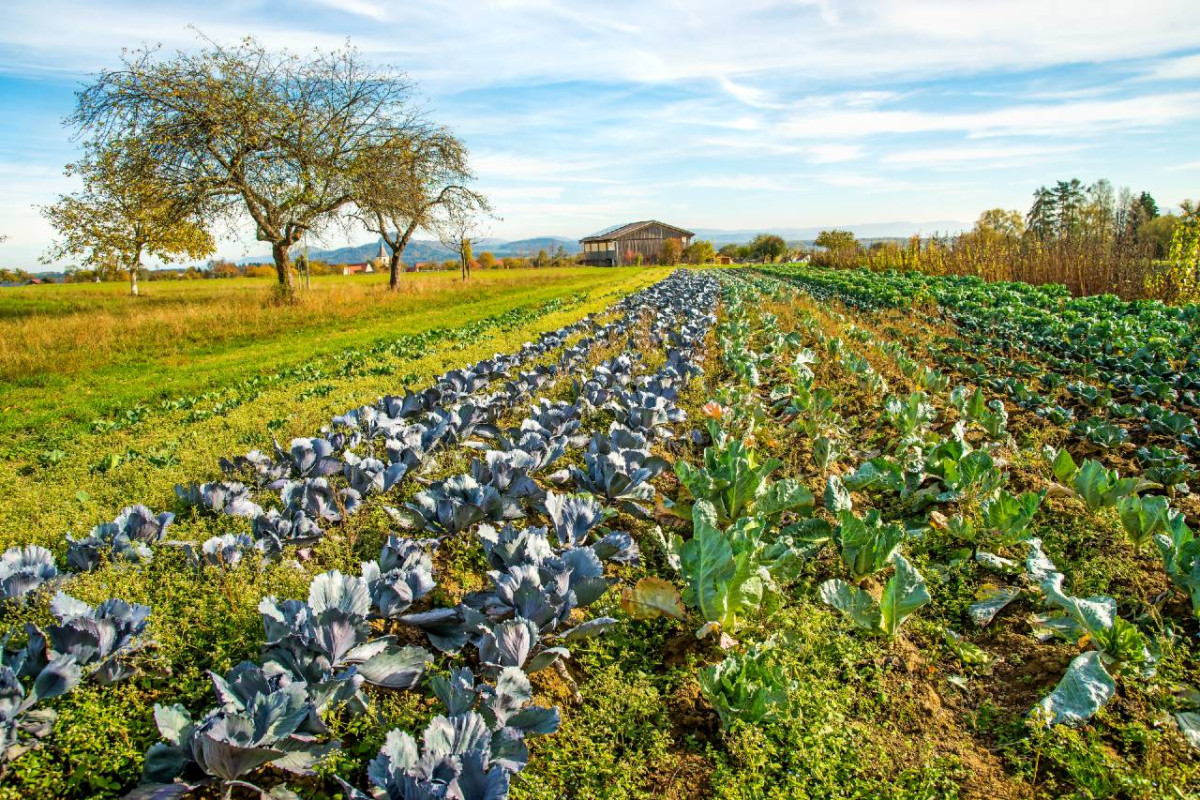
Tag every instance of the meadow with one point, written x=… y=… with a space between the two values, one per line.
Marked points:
x=102 y=391
x=579 y=533
x=84 y=351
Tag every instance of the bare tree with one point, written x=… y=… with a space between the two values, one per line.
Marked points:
x=460 y=229
x=415 y=180
x=261 y=132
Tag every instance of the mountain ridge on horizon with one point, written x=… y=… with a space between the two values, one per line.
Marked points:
x=420 y=250
x=429 y=250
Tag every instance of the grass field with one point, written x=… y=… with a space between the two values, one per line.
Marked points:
x=72 y=353
x=880 y=459
x=90 y=374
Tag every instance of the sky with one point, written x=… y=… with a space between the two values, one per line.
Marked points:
x=703 y=113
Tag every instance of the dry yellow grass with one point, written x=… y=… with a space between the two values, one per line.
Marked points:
x=71 y=328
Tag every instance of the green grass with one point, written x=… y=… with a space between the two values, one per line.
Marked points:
x=866 y=717
x=72 y=353
x=62 y=475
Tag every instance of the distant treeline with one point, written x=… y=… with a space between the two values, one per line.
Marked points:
x=1087 y=237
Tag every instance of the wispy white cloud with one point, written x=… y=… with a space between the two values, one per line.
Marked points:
x=989 y=156
x=496 y=166
x=510 y=194
x=742 y=183
x=1087 y=117
x=584 y=113
x=363 y=8
x=1185 y=68
x=748 y=95
x=859 y=180
x=833 y=153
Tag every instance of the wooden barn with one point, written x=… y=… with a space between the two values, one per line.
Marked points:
x=623 y=244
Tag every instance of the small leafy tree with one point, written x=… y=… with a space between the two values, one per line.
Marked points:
x=671 y=252
x=842 y=245
x=768 y=247
x=700 y=252
x=124 y=213
x=458 y=229
x=407 y=182
x=1000 y=222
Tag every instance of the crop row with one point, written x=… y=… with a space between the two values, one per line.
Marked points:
x=318 y=653
x=376 y=358
x=756 y=539
x=1118 y=360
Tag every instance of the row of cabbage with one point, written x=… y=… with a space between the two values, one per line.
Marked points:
x=317 y=655
x=93 y=642
x=1143 y=501
x=377 y=358
x=955 y=479
x=1115 y=371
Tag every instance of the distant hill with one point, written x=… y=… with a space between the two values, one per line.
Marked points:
x=427 y=250
x=530 y=247
x=417 y=250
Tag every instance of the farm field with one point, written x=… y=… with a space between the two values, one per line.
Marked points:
x=783 y=532
x=91 y=347
x=121 y=405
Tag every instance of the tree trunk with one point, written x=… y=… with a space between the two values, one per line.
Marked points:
x=286 y=290
x=133 y=275
x=394 y=267
x=394 y=263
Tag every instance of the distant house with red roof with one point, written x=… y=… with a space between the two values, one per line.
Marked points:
x=368 y=267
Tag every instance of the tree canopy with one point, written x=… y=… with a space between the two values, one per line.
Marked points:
x=700 y=251
x=123 y=213
x=836 y=241
x=672 y=251
x=1000 y=222
x=256 y=132
x=419 y=179
x=1071 y=209
x=768 y=247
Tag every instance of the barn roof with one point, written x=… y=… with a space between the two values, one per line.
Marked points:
x=617 y=231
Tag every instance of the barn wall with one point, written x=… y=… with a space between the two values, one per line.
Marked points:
x=646 y=242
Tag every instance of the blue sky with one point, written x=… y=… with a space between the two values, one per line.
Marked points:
x=705 y=113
